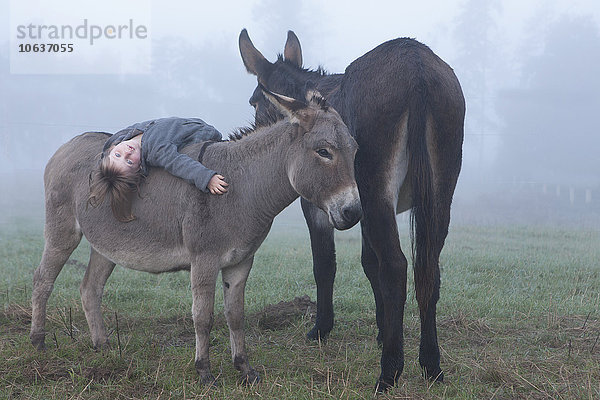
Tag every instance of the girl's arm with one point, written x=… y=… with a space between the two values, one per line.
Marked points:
x=165 y=155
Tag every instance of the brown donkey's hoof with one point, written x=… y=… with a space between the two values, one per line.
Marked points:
x=436 y=376
x=382 y=386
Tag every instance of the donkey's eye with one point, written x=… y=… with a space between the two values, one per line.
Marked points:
x=324 y=153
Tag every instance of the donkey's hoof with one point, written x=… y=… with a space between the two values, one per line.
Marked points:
x=38 y=340
x=251 y=378
x=383 y=385
x=436 y=375
x=100 y=347
x=317 y=334
x=208 y=380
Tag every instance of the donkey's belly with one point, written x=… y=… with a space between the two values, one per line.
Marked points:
x=136 y=245
x=152 y=259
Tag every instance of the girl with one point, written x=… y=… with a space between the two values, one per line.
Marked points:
x=128 y=153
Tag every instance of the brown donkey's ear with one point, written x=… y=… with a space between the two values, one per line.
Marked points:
x=292 y=51
x=287 y=105
x=253 y=60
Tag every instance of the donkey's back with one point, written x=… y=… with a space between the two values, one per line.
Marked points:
x=161 y=212
x=379 y=87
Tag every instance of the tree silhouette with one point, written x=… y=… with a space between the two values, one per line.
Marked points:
x=477 y=65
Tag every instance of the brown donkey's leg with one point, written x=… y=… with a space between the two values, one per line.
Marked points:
x=370 y=265
x=324 y=267
x=381 y=233
x=445 y=154
x=91 y=289
x=379 y=175
x=427 y=287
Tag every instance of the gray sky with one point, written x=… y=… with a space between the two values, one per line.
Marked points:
x=335 y=32
x=499 y=50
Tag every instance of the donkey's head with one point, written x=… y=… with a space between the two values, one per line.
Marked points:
x=285 y=76
x=320 y=158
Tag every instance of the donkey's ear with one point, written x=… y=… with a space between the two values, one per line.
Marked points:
x=253 y=60
x=288 y=106
x=292 y=51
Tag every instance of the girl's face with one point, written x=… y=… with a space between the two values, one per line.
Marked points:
x=126 y=156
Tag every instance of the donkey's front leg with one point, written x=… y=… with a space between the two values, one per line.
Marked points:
x=203 y=277
x=234 y=283
x=324 y=267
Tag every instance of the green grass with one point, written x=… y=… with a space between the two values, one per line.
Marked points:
x=519 y=317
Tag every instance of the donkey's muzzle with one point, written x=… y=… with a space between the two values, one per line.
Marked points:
x=352 y=214
x=344 y=215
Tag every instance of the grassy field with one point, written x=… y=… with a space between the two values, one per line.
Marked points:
x=519 y=317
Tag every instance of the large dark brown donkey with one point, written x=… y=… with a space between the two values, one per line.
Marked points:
x=405 y=108
x=311 y=153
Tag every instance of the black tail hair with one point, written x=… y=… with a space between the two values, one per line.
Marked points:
x=424 y=221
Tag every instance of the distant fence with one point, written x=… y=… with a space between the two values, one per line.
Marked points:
x=572 y=194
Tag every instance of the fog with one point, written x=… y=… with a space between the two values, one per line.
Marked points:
x=529 y=74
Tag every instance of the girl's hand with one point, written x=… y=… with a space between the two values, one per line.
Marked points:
x=217 y=184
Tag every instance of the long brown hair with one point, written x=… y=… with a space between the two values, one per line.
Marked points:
x=121 y=187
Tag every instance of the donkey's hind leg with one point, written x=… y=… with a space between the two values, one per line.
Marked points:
x=91 y=289
x=445 y=154
x=61 y=240
x=370 y=265
x=380 y=232
x=383 y=261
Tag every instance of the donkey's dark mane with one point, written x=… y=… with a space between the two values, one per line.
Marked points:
x=262 y=120
x=320 y=101
x=268 y=119
x=320 y=70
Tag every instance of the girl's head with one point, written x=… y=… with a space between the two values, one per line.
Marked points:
x=117 y=175
x=126 y=155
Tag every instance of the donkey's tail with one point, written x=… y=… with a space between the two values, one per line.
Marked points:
x=424 y=221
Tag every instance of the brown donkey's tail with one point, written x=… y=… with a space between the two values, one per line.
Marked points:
x=424 y=226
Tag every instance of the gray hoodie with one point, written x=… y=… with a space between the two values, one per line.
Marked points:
x=162 y=140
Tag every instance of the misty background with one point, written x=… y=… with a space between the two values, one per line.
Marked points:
x=529 y=73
